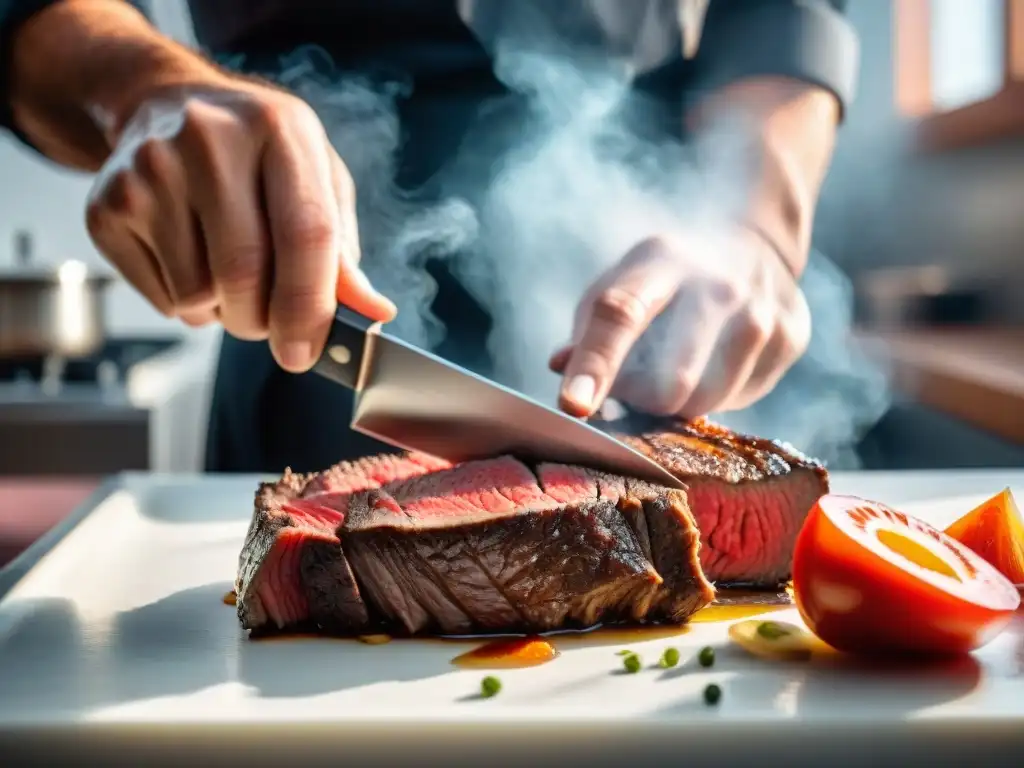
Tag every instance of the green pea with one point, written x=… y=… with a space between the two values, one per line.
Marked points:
x=706 y=657
x=712 y=694
x=490 y=686
x=632 y=663
x=669 y=658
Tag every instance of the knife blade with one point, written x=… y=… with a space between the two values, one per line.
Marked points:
x=413 y=400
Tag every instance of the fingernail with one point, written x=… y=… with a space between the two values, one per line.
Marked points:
x=581 y=390
x=296 y=355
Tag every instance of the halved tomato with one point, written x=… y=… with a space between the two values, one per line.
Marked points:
x=867 y=578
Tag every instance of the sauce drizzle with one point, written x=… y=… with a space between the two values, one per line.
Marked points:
x=508 y=653
x=519 y=651
x=733 y=604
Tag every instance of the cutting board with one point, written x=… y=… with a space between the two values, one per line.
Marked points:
x=115 y=640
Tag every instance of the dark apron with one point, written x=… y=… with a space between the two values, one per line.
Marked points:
x=264 y=419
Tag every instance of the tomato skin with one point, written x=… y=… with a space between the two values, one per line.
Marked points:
x=859 y=602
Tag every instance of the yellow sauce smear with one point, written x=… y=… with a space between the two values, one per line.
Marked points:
x=230 y=598
x=374 y=639
x=733 y=604
x=715 y=613
x=512 y=653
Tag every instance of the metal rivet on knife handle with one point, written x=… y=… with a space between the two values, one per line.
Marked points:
x=340 y=354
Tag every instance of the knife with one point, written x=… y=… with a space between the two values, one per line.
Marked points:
x=414 y=400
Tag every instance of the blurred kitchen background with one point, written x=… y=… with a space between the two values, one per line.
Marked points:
x=923 y=209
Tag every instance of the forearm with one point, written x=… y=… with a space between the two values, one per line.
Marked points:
x=79 y=68
x=788 y=137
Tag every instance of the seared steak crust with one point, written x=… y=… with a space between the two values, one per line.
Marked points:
x=748 y=495
x=490 y=546
x=408 y=544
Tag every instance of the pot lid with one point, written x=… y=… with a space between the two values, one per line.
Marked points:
x=68 y=272
x=27 y=270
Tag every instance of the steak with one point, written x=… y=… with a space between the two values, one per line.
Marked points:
x=748 y=495
x=487 y=546
x=408 y=543
x=289 y=571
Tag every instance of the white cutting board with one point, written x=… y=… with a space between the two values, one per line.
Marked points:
x=121 y=623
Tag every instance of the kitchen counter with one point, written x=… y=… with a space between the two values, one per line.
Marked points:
x=119 y=647
x=81 y=429
x=975 y=375
x=29 y=507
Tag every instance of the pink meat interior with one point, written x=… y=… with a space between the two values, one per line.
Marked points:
x=316 y=515
x=494 y=486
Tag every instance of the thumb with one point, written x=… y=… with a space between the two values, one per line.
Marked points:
x=353 y=290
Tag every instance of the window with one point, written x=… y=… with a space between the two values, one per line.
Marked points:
x=960 y=70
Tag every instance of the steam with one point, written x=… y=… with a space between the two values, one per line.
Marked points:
x=398 y=232
x=573 y=188
x=571 y=202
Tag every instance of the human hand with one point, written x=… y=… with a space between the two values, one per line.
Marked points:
x=731 y=320
x=225 y=200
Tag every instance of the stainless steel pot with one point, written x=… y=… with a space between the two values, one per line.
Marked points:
x=50 y=311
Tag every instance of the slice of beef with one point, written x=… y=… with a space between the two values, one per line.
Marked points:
x=489 y=546
x=413 y=543
x=663 y=526
x=749 y=496
x=291 y=569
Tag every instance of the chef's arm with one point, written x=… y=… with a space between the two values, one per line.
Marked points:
x=786 y=69
x=71 y=72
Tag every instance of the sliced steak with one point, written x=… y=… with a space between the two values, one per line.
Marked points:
x=413 y=544
x=291 y=569
x=663 y=526
x=749 y=496
x=488 y=546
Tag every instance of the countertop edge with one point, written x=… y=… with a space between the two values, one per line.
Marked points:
x=12 y=573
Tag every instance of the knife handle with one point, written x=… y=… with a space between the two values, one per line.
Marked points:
x=342 y=356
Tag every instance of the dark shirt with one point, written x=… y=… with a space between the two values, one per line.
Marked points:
x=806 y=39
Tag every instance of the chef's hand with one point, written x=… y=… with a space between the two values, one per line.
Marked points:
x=225 y=201
x=734 y=321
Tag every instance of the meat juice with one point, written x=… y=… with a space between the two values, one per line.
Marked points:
x=509 y=653
x=519 y=651
x=531 y=651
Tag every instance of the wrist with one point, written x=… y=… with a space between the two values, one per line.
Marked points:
x=113 y=106
x=780 y=210
x=768 y=244
x=79 y=69
x=786 y=129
